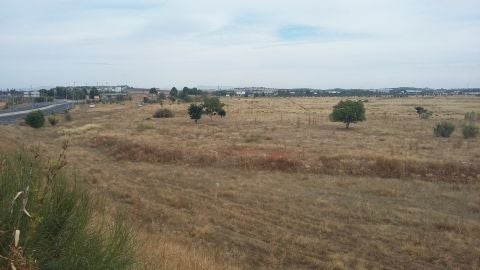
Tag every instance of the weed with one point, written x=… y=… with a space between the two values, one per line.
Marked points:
x=52 y=120
x=163 y=113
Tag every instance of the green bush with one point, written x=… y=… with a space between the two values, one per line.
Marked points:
x=55 y=220
x=444 y=129
x=163 y=113
x=52 y=120
x=469 y=131
x=35 y=119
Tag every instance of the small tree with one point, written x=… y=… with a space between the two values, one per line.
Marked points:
x=444 y=129
x=93 y=92
x=212 y=106
x=195 y=112
x=35 y=119
x=348 y=112
x=153 y=91
x=174 y=92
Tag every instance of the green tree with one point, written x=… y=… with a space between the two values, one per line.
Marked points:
x=153 y=91
x=174 y=92
x=184 y=95
x=173 y=95
x=212 y=106
x=93 y=92
x=348 y=112
x=195 y=112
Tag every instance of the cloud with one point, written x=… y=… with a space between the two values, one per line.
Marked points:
x=312 y=33
x=329 y=43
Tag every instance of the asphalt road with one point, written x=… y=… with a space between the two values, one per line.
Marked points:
x=47 y=109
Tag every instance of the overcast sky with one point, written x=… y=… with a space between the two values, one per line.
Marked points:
x=302 y=43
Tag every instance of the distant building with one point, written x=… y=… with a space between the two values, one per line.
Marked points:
x=31 y=94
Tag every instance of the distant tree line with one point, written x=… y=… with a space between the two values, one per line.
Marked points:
x=340 y=92
x=185 y=95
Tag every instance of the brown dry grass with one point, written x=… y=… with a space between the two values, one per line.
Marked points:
x=277 y=186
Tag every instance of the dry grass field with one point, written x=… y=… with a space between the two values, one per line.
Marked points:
x=275 y=185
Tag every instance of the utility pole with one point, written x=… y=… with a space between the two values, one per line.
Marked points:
x=31 y=97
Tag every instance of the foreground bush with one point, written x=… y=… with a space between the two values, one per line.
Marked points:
x=469 y=131
x=163 y=113
x=444 y=129
x=46 y=221
x=35 y=119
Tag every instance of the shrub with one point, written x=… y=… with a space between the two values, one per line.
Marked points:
x=53 y=120
x=423 y=113
x=68 y=116
x=472 y=116
x=444 y=129
x=54 y=219
x=35 y=119
x=163 y=113
x=469 y=131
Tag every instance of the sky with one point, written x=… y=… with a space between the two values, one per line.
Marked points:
x=284 y=44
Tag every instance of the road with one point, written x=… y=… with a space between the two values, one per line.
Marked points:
x=49 y=108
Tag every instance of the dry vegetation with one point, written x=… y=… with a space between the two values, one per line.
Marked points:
x=275 y=185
